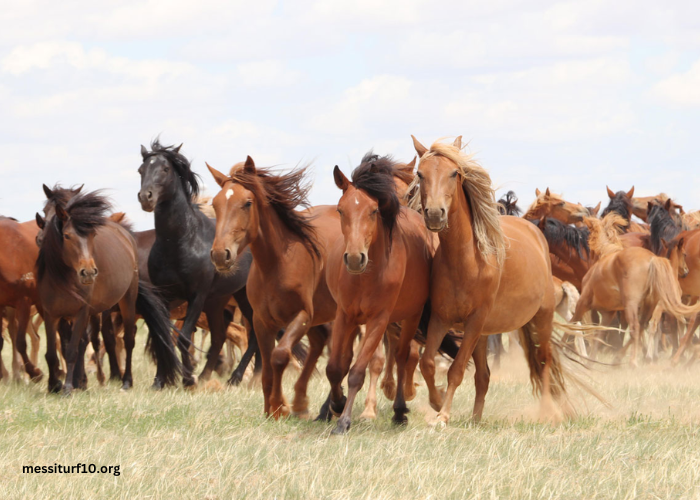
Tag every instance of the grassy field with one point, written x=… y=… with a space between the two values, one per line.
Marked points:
x=216 y=444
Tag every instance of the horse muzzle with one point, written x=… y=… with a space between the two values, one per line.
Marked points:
x=435 y=219
x=355 y=263
x=87 y=276
x=147 y=199
x=224 y=259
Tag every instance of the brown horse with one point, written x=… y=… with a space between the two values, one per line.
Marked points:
x=548 y=204
x=622 y=204
x=378 y=273
x=630 y=280
x=490 y=274
x=690 y=283
x=18 y=282
x=86 y=265
x=286 y=285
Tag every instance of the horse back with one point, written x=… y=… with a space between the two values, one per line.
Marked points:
x=17 y=260
x=115 y=256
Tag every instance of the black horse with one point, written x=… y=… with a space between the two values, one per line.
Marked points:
x=179 y=264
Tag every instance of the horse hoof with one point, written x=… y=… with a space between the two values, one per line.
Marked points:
x=157 y=384
x=55 y=387
x=126 y=386
x=337 y=408
x=342 y=428
x=389 y=389
x=67 y=391
x=38 y=376
x=368 y=415
x=235 y=380
x=400 y=418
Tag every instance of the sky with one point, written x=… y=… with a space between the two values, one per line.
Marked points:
x=572 y=96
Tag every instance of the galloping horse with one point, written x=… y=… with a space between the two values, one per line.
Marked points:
x=18 y=283
x=286 y=285
x=490 y=274
x=179 y=263
x=86 y=265
x=378 y=273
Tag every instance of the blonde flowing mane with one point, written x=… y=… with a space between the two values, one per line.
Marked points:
x=481 y=196
x=604 y=238
x=541 y=207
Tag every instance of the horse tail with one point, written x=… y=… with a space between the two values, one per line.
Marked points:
x=664 y=287
x=160 y=343
x=559 y=375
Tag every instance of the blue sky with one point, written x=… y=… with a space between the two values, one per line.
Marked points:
x=566 y=95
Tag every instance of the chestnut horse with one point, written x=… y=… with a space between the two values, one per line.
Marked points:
x=490 y=274
x=622 y=204
x=549 y=204
x=630 y=280
x=286 y=284
x=378 y=273
x=18 y=284
x=86 y=265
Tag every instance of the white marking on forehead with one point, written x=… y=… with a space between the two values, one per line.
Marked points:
x=153 y=160
x=357 y=202
x=229 y=193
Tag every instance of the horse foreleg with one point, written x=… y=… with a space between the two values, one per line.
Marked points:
x=436 y=333
x=391 y=339
x=376 y=365
x=342 y=338
x=632 y=316
x=247 y=313
x=110 y=343
x=51 y=354
x=281 y=355
x=94 y=336
x=482 y=376
x=72 y=349
x=356 y=377
x=218 y=324
x=403 y=352
x=411 y=365
x=184 y=339
x=266 y=341
x=692 y=325
x=318 y=336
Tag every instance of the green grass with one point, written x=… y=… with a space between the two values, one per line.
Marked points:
x=217 y=444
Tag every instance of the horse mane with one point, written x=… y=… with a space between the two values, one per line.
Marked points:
x=476 y=184
x=183 y=169
x=620 y=205
x=4 y=217
x=604 y=236
x=575 y=238
x=375 y=175
x=86 y=212
x=692 y=220
x=663 y=227
x=284 y=193
x=508 y=205
x=61 y=196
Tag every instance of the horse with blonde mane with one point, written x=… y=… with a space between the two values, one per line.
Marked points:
x=491 y=274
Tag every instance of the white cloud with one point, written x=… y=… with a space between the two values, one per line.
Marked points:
x=269 y=73
x=681 y=88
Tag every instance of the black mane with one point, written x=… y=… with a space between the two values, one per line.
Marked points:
x=375 y=176
x=188 y=179
x=557 y=233
x=508 y=205
x=663 y=227
x=86 y=212
x=620 y=204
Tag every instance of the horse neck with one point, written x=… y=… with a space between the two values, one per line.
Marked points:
x=378 y=251
x=457 y=241
x=271 y=237
x=570 y=257
x=175 y=218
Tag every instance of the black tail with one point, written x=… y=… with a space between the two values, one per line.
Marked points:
x=160 y=343
x=449 y=346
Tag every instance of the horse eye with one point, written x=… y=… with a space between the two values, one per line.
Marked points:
x=339 y=211
x=454 y=174
x=166 y=169
x=419 y=175
x=248 y=204
x=66 y=236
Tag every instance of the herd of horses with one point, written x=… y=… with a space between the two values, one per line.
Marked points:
x=412 y=262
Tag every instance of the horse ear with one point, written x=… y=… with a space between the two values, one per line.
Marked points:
x=40 y=221
x=373 y=168
x=630 y=193
x=542 y=224
x=668 y=205
x=537 y=192
x=458 y=142
x=177 y=149
x=340 y=180
x=47 y=192
x=547 y=193
x=218 y=176
x=249 y=166
x=411 y=165
x=61 y=213
x=611 y=195
x=681 y=242
x=80 y=188
x=420 y=149
x=595 y=210
x=144 y=152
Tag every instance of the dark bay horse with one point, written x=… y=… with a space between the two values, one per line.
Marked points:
x=179 y=263
x=86 y=265
x=256 y=208
x=491 y=274
x=18 y=281
x=378 y=273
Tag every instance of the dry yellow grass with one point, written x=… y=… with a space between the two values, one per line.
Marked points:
x=214 y=443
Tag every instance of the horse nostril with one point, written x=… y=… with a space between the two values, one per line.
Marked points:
x=363 y=259
x=442 y=213
x=228 y=255
x=95 y=271
x=83 y=273
x=149 y=195
x=345 y=258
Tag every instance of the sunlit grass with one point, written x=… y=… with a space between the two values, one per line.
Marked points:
x=217 y=444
